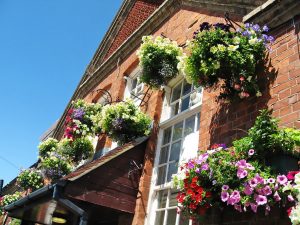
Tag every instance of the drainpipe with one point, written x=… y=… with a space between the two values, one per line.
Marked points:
x=1 y=186
x=70 y=205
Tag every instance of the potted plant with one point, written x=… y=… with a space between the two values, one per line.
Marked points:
x=124 y=121
x=78 y=149
x=158 y=60
x=47 y=146
x=81 y=119
x=30 y=179
x=8 y=199
x=220 y=55
x=55 y=166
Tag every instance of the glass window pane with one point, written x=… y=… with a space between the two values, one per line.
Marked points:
x=161 y=175
x=189 y=125
x=175 y=151
x=177 y=132
x=162 y=199
x=175 y=109
x=176 y=92
x=195 y=98
x=186 y=88
x=185 y=104
x=134 y=83
x=173 y=200
x=198 y=121
x=171 y=220
x=167 y=135
x=164 y=153
x=159 y=219
x=173 y=168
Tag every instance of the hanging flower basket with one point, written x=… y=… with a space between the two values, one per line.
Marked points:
x=223 y=56
x=158 y=60
x=124 y=122
x=81 y=120
x=77 y=150
x=30 y=179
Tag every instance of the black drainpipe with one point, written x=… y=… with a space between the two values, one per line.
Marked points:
x=1 y=186
x=69 y=204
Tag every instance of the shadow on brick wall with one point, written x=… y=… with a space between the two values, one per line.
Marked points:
x=232 y=120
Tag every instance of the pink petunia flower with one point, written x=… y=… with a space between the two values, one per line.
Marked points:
x=241 y=173
x=251 y=152
x=224 y=196
x=282 y=179
x=261 y=200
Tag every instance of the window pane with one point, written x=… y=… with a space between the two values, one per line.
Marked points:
x=167 y=135
x=175 y=109
x=175 y=151
x=195 y=98
x=198 y=121
x=134 y=83
x=173 y=200
x=186 y=88
x=171 y=220
x=159 y=219
x=161 y=174
x=189 y=125
x=173 y=168
x=176 y=92
x=177 y=132
x=162 y=199
x=163 y=158
x=185 y=104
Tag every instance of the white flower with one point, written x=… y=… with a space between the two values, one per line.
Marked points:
x=253 y=41
x=236 y=40
x=233 y=47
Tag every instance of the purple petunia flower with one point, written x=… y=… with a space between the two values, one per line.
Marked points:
x=224 y=196
x=190 y=165
x=241 y=173
x=238 y=207
x=251 y=152
x=261 y=200
x=253 y=182
x=253 y=207
x=271 y=39
x=260 y=179
x=276 y=197
x=198 y=170
x=265 y=28
x=247 y=25
x=205 y=26
x=214 y=182
x=267 y=190
x=271 y=180
x=248 y=190
x=225 y=187
x=205 y=167
x=234 y=198
x=256 y=27
x=78 y=113
x=282 y=179
x=290 y=198
x=246 y=33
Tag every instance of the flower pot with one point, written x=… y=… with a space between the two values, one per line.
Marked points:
x=282 y=163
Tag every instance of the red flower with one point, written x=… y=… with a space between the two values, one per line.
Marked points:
x=291 y=175
x=289 y=211
x=208 y=194
x=180 y=197
x=195 y=179
x=198 y=198
x=193 y=206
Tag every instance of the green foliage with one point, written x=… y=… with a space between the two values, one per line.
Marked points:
x=158 y=59
x=267 y=138
x=77 y=150
x=30 y=179
x=8 y=199
x=48 y=146
x=219 y=54
x=124 y=122
x=15 y=222
x=55 y=166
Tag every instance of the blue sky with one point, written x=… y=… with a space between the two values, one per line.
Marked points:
x=45 y=46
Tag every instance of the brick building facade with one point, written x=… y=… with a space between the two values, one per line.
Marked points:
x=215 y=122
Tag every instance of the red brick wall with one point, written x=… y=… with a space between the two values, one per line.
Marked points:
x=140 y=11
x=221 y=123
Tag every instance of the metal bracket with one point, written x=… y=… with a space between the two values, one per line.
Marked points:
x=135 y=168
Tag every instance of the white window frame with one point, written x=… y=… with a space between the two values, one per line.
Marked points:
x=134 y=93
x=166 y=122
